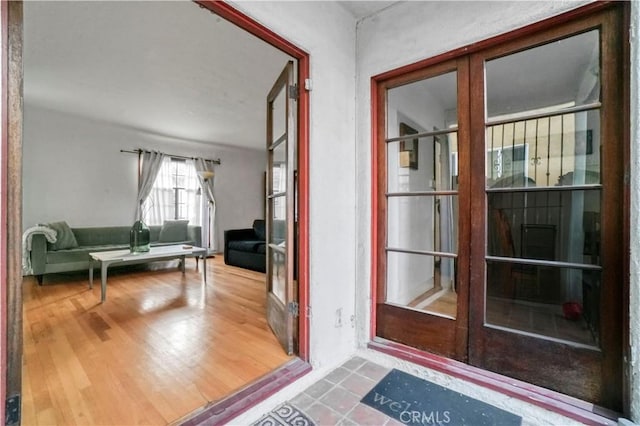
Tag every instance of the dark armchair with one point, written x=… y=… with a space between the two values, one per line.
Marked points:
x=246 y=248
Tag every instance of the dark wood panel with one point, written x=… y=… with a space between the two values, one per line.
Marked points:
x=381 y=184
x=14 y=122
x=277 y=320
x=477 y=206
x=553 y=365
x=614 y=164
x=433 y=334
x=464 y=204
x=570 y=407
x=626 y=221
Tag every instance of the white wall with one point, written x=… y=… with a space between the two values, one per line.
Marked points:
x=73 y=170
x=327 y=32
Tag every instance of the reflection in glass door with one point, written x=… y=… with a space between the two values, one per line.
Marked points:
x=281 y=287
x=549 y=203
x=500 y=204
x=421 y=298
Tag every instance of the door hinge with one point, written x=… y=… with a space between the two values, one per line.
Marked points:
x=308 y=84
x=12 y=410
x=293 y=92
x=294 y=309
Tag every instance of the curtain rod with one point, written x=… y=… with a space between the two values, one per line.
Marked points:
x=138 y=151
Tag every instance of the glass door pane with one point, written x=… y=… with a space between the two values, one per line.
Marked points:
x=281 y=291
x=422 y=183
x=544 y=190
x=546 y=285
x=422 y=299
x=277 y=198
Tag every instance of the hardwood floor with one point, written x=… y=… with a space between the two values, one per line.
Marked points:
x=162 y=345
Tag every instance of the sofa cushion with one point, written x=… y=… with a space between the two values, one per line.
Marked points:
x=245 y=245
x=65 y=239
x=173 y=230
x=261 y=248
x=79 y=254
x=103 y=235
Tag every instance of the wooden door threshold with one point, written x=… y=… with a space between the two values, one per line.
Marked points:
x=565 y=405
x=222 y=411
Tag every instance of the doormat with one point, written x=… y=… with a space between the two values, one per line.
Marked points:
x=414 y=401
x=285 y=415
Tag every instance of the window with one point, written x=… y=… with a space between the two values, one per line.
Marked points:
x=176 y=194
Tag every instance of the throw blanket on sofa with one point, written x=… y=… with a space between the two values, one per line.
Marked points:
x=27 y=237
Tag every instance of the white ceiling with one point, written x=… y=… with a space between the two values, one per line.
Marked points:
x=167 y=68
x=362 y=9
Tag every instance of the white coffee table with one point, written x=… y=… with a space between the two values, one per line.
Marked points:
x=125 y=257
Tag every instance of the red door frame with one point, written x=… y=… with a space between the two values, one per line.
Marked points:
x=4 y=21
x=236 y=17
x=553 y=401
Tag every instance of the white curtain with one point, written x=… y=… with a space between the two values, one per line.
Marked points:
x=210 y=225
x=151 y=163
x=161 y=202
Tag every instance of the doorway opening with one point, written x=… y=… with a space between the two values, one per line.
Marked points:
x=112 y=324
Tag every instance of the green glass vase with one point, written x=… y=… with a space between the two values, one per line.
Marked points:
x=139 y=237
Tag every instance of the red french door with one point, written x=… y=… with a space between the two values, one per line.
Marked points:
x=500 y=207
x=423 y=280
x=546 y=264
x=282 y=290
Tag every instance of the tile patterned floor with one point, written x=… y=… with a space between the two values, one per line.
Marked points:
x=335 y=400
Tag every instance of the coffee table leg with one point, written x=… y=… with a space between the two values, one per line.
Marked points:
x=103 y=282
x=204 y=267
x=182 y=262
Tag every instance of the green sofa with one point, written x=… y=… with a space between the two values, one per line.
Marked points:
x=45 y=260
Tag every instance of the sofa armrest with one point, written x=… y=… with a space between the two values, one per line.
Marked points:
x=194 y=233
x=38 y=254
x=240 y=234
x=235 y=235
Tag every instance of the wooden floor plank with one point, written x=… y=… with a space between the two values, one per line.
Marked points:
x=161 y=346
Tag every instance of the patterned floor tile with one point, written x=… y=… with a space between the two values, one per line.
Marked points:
x=285 y=415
